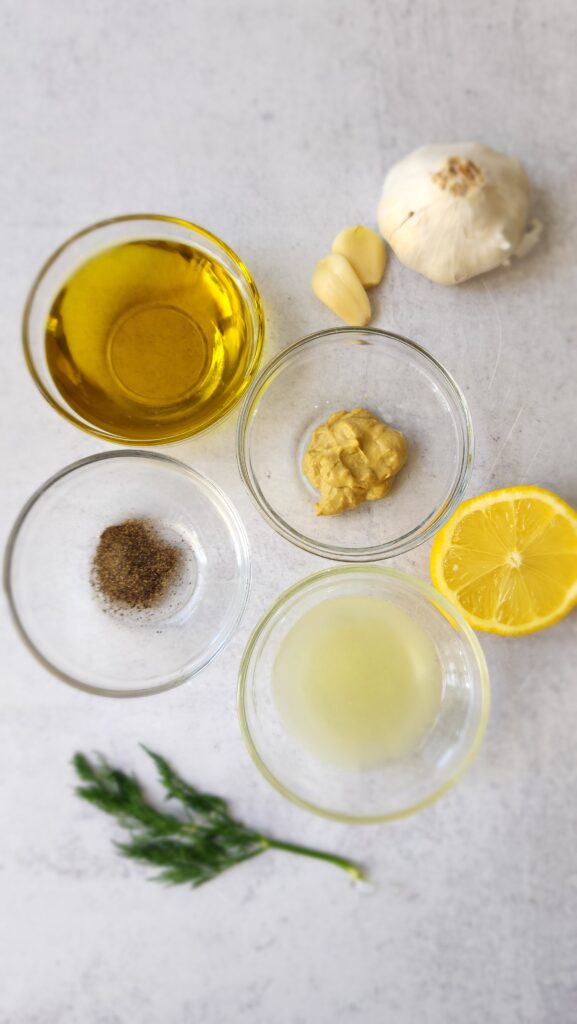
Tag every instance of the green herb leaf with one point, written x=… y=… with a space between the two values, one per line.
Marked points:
x=189 y=850
x=204 y=804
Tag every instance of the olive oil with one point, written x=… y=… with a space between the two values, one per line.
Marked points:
x=357 y=682
x=149 y=340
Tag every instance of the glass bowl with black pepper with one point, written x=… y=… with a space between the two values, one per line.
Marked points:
x=127 y=573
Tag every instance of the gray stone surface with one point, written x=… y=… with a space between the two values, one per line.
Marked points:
x=273 y=124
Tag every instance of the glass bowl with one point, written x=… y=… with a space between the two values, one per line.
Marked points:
x=402 y=784
x=61 y=617
x=208 y=409
x=346 y=369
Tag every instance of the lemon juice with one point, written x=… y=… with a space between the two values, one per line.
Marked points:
x=357 y=682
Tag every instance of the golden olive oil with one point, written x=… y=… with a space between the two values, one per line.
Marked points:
x=358 y=682
x=149 y=340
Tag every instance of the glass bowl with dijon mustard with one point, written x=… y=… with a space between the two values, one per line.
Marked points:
x=143 y=329
x=356 y=444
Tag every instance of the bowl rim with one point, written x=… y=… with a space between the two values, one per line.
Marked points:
x=241 y=538
x=377 y=552
x=446 y=608
x=97 y=226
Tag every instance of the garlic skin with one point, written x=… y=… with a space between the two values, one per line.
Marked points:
x=337 y=286
x=365 y=251
x=456 y=210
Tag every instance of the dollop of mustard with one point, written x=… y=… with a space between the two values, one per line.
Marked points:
x=353 y=457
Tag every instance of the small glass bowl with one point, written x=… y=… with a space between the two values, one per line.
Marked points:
x=63 y=619
x=107 y=234
x=346 y=369
x=402 y=786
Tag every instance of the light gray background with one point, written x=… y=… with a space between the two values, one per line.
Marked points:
x=273 y=125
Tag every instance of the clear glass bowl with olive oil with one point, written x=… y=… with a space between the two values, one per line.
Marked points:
x=143 y=329
x=363 y=694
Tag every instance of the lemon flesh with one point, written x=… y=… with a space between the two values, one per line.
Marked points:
x=508 y=559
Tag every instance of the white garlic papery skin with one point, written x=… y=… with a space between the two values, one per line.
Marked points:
x=456 y=210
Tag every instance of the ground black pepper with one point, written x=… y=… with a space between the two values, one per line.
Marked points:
x=133 y=567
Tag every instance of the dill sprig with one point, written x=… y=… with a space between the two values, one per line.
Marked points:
x=187 y=850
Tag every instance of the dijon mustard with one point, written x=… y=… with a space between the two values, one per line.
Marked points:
x=353 y=457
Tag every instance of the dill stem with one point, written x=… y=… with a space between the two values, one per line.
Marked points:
x=306 y=851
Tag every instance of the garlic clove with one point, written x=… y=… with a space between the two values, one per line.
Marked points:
x=365 y=251
x=337 y=286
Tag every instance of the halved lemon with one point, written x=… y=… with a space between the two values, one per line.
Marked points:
x=508 y=559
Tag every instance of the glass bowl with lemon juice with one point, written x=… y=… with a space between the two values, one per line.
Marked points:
x=143 y=330
x=362 y=694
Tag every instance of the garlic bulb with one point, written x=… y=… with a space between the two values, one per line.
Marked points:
x=456 y=210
